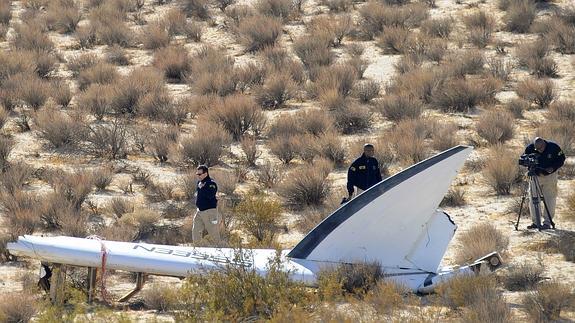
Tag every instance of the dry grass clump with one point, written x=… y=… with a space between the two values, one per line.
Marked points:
x=59 y=129
x=21 y=213
x=212 y=72
x=376 y=16
x=313 y=52
x=118 y=56
x=480 y=26
x=130 y=90
x=31 y=37
x=501 y=170
x=439 y=27
x=400 y=107
x=63 y=16
x=258 y=32
x=15 y=176
x=195 y=8
x=18 y=307
x=205 y=145
x=500 y=68
x=107 y=26
x=6 y=144
x=103 y=178
x=562 y=111
x=487 y=305
x=465 y=289
x=27 y=89
x=444 y=135
x=460 y=95
x=238 y=114
x=99 y=73
x=358 y=279
x=160 y=297
x=520 y=15
x=367 y=90
x=260 y=216
x=408 y=140
x=285 y=148
x=547 y=301
x=107 y=140
x=541 y=93
x=480 y=240
x=96 y=100
x=339 y=78
x=78 y=63
x=454 y=197
x=496 y=126
x=562 y=132
x=307 y=186
x=269 y=175
x=5 y=12
x=120 y=206
x=275 y=91
x=337 y=5
x=238 y=292
x=155 y=36
x=523 y=276
x=387 y=297
x=174 y=61
x=516 y=107
x=533 y=55
x=250 y=150
x=352 y=118
x=280 y=9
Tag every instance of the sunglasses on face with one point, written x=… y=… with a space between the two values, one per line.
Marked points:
x=199 y=174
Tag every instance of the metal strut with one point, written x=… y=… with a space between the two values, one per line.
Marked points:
x=140 y=280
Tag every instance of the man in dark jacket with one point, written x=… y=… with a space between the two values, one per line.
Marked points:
x=364 y=172
x=549 y=159
x=207 y=216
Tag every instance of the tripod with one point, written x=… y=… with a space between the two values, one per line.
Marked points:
x=536 y=198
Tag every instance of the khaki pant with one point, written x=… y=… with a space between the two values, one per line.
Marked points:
x=208 y=219
x=548 y=186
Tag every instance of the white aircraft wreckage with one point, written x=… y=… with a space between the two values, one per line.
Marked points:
x=395 y=223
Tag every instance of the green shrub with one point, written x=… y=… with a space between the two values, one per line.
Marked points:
x=479 y=241
x=259 y=216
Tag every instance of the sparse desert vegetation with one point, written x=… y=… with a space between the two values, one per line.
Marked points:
x=108 y=106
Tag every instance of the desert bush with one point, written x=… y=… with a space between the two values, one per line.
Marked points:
x=461 y=95
x=259 y=31
x=501 y=170
x=260 y=216
x=541 y=93
x=96 y=100
x=565 y=244
x=275 y=91
x=102 y=178
x=562 y=132
x=352 y=118
x=499 y=68
x=480 y=26
x=18 y=307
x=330 y=147
x=269 y=174
x=337 y=5
x=6 y=144
x=108 y=140
x=31 y=37
x=60 y=92
x=86 y=36
x=174 y=61
x=100 y=73
x=367 y=91
x=467 y=62
x=314 y=122
x=480 y=240
x=516 y=107
x=520 y=15
x=59 y=129
x=307 y=185
x=237 y=114
x=547 y=301
x=4 y=114
x=63 y=16
x=356 y=279
x=155 y=36
x=544 y=67
x=160 y=297
x=454 y=197
x=196 y=8
x=408 y=140
x=129 y=90
x=175 y=22
x=495 y=126
x=15 y=176
x=444 y=136
x=313 y=52
x=340 y=78
x=489 y=306
x=5 y=13
x=227 y=180
x=21 y=213
x=333 y=29
x=157 y=105
x=440 y=27
x=375 y=16
x=205 y=146
x=78 y=63
x=562 y=111
x=275 y=8
x=251 y=75
x=250 y=150
x=286 y=126
x=562 y=36
x=466 y=289
x=117 y=55
x=523 y=276
x=284 y=148
x=74 y=187
x=144 y=220
x=398 y=107
x=29 y=88
x=530 y=52
x=120 y=206
x=107 y=27
x=213 y=72
x=394 y=40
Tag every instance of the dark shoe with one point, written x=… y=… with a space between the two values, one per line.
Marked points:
x=545 y=227
x=532 y=226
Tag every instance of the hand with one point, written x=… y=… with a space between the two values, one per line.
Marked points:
x=549 y=170
x=201 y=184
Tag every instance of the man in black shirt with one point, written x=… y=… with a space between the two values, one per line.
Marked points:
x=549 y=159
x=207 y=216
x=364 y=172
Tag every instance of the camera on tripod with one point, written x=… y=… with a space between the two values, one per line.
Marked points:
x=529 y=160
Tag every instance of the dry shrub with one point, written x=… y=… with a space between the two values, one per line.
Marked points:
x=480 y=240
x=400 y=107
x=5 y=12
x=562 y=111
x=86 y=36
x=306 y=185
x=108 y=26
x=408 y=140
x=444 y=136
x=59 y=129
x=79 y=63
x=454 y=197
x=338 y=77
x=463 y=63
x=175 y=22
x=212 y=72
x=284 y=148
x=6 y=144
x=143 y=220
x=18 y=307
x=439 y=27
x=174 y=61
x=61 y=93
x=161 y=144
x=496 y=126
x=118 y=56
x=155 y=36
x=160 y=297
x=63 y=16
x=480 y=26
x=103 y=178
x=541 y=93
x=275 y=8
x=21 y=213
x=530 y=52
x=367 y=90
x=96 y=100
x=100 y=73
x=375 y=16
x=466 y=289
x=394 y=40
x=269 y=175
x=237 y=292
x=29 y=88
x=520 y=15
x=129 y=90
x=286 y=126
x=4 y=114
x=352 y=118
x=15 y=176
x=387 y=297
x=250 y=150
x=258 y=32
x=330 y=147
x=501 y=170
x=562 y=132
x=260 y=216
x=499 y=68
x=516 y=107
x=523 y=276
x=546 y=302
x=489 y=306
x=31 y=37
x=108 y=140
x=562 y=35
x=275 y=91
x=205 y=146
x=238 y=114
x=313 y=52
x=338 y=5
x=332 y=28
x=358 y=279
x=460 y=95
x=196 y=8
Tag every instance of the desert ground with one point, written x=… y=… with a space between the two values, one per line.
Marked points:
x=107 y=107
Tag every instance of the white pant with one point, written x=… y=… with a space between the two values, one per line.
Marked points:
x=548 y=185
